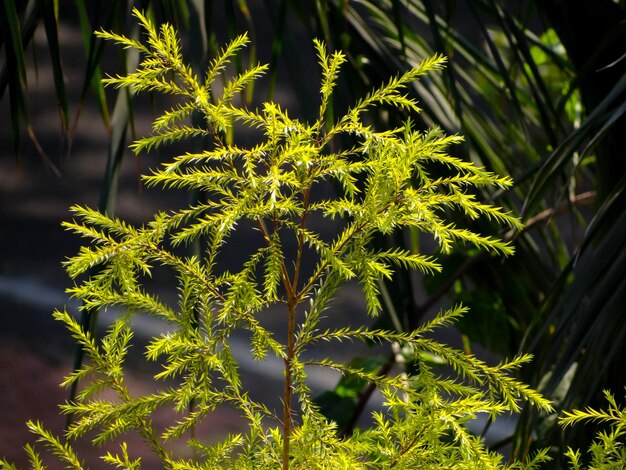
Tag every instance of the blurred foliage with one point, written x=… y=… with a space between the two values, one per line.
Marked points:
x=537 y=89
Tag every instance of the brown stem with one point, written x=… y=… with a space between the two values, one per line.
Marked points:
x=296 y=274
x=288 y=393
x=292 y=302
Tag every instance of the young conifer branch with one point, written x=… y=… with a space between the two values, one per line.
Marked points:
x=384 y=185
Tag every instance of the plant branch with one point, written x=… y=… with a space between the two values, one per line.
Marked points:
x=320 y=272
x=532 y=223
x=305 y=205
x=284 y=274
x=288 y=392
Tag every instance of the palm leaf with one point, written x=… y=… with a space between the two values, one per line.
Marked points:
x=49 y=15
x=580 y=141
x=15 y=69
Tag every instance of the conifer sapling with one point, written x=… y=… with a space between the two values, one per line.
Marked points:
x=383 y=185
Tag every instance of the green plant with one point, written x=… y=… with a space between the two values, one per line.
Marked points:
x=533 y=97
x=607 y=451
x=274 y=189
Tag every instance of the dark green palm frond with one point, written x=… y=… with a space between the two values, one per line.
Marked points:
x=17 y=27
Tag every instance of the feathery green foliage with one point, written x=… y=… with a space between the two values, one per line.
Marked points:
x=608 y=450
x=274 y=188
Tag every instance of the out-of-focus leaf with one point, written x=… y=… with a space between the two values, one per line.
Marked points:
x=49 y=15
x=245 y=12
x=15 y=68
x=336 y=407
x=397 y=16
x=580 y=140
x=589 y=310
x=277 y=45
x=93 y=74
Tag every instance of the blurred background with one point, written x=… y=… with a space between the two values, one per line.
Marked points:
x=536 y=88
